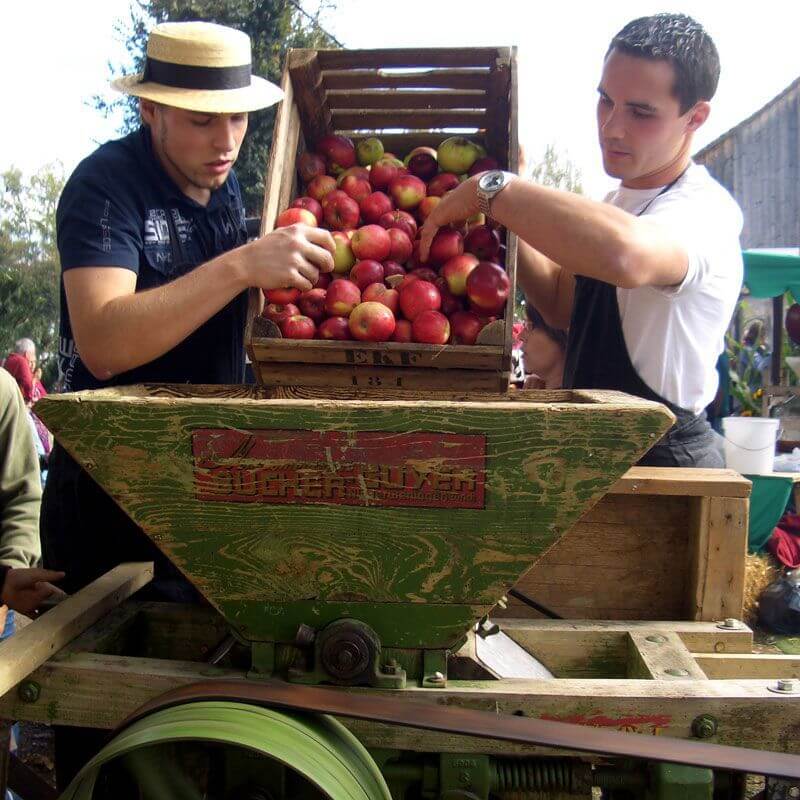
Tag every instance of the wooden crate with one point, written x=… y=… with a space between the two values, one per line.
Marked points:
x=663 y=544
x=407 y=98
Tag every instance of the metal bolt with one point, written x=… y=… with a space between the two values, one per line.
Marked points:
x=794 y=791
x=656 y=638
x=437 y=677
x=390 y=667
x=785 y=686
x=730 y=624
x=29 y=691
x=704 y=726
x=305 y=635
x=677 y=672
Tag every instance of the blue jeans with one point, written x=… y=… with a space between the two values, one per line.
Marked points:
x=8 y=630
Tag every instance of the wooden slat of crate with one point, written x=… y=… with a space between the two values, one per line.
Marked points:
x=409 y=118
x=411 y=57
x=467 y=78
x=386 y=354
x=401 y=98
x=364 y=377
x=404 y=142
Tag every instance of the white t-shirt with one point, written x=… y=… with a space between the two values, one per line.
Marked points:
x=674 y=334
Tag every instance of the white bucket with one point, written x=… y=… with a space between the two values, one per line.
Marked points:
x=750 y=444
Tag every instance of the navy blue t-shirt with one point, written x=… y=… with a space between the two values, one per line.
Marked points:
x=121 y=209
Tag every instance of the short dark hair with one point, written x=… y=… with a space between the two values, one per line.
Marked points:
x=682 y=42
x=537 y=321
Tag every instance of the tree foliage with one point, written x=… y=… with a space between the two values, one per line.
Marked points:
x=274 y=26
x=29 y=265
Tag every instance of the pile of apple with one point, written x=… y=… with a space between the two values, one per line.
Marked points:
x=380 y=291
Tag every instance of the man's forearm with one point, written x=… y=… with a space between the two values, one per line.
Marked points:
x=589 y=238
x=544 y=285
x=137 y=328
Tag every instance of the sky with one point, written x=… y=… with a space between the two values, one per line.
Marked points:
x=58 y=59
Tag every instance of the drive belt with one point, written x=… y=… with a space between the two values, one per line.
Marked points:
x=393 y=710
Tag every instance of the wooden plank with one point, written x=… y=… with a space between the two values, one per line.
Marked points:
x=277 y=374
x=374 y=119
x=384 y=354
x=400 y=143
x=748 y=665
x=589 y=649
x=410 y=57
x=309 y=96
x=100 y=691
x=35 y=643
x=683 y=482
x=407 y=99
x=718 y=546
x=660 y=657
x=281 y=158
x=468 y=78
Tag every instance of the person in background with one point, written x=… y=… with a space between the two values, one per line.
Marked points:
x=543 y=350
x=20 y=363
x=39 y=389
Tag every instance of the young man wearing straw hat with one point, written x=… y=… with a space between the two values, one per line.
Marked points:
x=155 y=264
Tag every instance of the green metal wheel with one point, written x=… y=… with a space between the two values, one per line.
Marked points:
x=231 y=751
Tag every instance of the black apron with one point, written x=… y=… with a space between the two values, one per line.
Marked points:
x=597 y=358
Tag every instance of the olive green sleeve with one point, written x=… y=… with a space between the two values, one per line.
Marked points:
x=20 y=482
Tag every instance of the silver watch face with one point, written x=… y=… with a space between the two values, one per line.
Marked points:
x=492 y=181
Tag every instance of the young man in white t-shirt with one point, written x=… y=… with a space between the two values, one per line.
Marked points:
x=646 y=281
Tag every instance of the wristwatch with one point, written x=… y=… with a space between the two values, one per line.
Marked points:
x=490 y=184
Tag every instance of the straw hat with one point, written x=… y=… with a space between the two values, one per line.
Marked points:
x=200 y=66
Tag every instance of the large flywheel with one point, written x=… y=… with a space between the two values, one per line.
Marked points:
x=221 y=750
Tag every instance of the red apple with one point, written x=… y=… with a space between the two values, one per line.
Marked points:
x=430 y=327
x=401 y=220
x=295 y=216
x=357 y=188
x=450 y=303
x=482 y=241
x=339 y=152
x=334 y=328
x=298 y=327
x=488 y=287
x=340 y=210
x=407 y=191
x=374 y=206
x=402 y=331
x=414 y=262
x=383 y=172
x=282 y=296
x=401 y=246
x=310 y=165
x=446 y=244
x=392 y=268
x=323 y=281
x=426 y=206
x=371 y=241
x=342 y=297
x=381 y=293
x=343 y=258
x=442 y=183
x=456 y=270
x=366 y=272
x=353 y=172
x=464 y=327
x=417 y=296
x=372 y=322
x=422 y=163
x=483 y=165
x=309 y=204
x=278 y=313
x=425 y=274
x=404 y=281
x=312 y=304
x=321 y=186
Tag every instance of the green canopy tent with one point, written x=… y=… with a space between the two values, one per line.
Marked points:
x=770 y=273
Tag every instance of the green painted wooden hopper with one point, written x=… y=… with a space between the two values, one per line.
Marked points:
x=413 y=516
